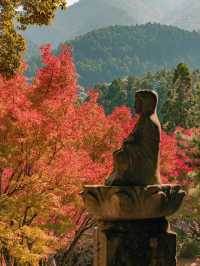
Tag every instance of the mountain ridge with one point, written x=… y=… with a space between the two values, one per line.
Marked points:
x=119 y=51
x=88 y=15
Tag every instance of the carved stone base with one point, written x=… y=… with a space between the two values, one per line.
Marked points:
x=132 y=203
x=135 y=243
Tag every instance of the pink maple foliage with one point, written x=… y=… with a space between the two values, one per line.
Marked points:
x=52 y=144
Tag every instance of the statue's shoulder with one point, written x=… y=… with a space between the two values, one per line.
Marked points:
x=152 y=129
x=153 y=121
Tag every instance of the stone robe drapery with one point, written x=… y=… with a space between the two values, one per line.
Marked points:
x=137 y=162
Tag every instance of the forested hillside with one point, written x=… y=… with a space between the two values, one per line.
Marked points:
x=88 y=15
x=85 y=16
x=120 y=51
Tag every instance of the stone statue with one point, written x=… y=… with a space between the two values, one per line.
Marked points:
x=132 y=207
x=137 y=162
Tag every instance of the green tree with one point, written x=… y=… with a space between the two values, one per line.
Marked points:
x=18 y=14
x=177 y=110
x=195 y=110
x=113 y=95
x=131 y=89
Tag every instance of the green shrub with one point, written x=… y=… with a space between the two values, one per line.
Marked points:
x=190 y=249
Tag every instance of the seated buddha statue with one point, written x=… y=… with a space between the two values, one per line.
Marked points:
x=137 y=162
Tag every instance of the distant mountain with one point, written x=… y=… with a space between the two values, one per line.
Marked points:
x=120 y=51
x=31 y=56
x=79 y=19
x=88 y=15
x=32 y=51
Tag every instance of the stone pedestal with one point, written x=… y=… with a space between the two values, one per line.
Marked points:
x=137 y=243
x=132 y=229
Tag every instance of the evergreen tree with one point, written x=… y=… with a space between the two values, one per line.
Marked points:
x=177 y=110
x=131 y=89
x=195 y=109
x=113 y=95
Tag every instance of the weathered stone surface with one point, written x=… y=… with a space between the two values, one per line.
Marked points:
x=131 y=209
x=137 y=162
x=136 y=243
x=132 y=203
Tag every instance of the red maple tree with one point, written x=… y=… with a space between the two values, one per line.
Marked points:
x=51 y=144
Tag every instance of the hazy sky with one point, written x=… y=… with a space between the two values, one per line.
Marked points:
x=70 y=2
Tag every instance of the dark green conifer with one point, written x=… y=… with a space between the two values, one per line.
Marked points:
x=177 y=110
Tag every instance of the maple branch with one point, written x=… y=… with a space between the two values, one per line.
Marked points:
x=25 y=215
x=31 y=219
x=16 y=189
x=1 y=182
x=87 y=223
x=17 y=170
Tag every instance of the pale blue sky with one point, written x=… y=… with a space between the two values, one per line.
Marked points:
x=70 y=2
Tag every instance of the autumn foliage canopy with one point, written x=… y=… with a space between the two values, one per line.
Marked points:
x=51 y=143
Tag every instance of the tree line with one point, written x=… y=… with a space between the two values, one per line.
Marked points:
x=178 y=89
x=121 y=51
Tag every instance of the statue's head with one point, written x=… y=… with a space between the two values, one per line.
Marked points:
x=146 y=102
